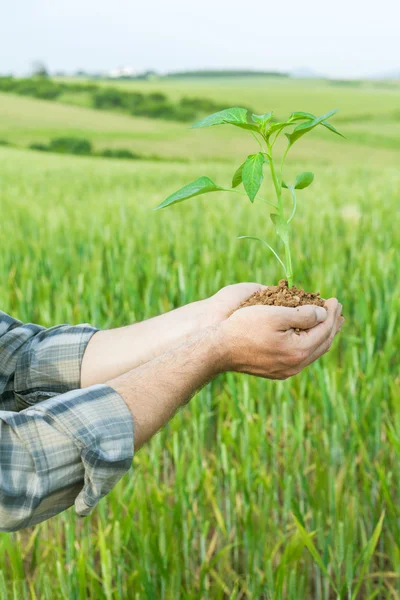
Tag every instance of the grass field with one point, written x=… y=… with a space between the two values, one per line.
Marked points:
x=257 y=489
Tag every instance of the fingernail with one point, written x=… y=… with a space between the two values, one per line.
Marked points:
x=321 y=313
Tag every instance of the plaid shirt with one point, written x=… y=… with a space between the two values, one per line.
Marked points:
x=59 y=444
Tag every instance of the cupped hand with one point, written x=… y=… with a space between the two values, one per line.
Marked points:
x=222 y=304
x=264 y=340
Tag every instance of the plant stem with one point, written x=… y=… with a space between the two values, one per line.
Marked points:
x=278 y=190
x=283 y=160
x=244 y=194
x=258 y=141
x=249 y=237
x=293 y=193
x=277 y=183
x=289 y=269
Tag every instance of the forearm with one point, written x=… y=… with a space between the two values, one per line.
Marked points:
x=113 y=352
x=156 y=390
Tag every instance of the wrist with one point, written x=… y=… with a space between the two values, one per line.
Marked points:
x=206 y=314
x=221 y=354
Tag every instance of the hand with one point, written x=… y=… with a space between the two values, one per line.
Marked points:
x=261 y=340
x=222 y=304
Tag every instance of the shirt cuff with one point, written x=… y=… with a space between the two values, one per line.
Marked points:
x=100 y=425
x=50 y=363
x=70 y=449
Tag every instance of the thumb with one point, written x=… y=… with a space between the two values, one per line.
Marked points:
x=302 y=317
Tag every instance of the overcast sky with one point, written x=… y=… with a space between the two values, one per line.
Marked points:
x=345 y=38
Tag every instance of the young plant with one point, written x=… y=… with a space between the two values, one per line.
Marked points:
x=266 y=131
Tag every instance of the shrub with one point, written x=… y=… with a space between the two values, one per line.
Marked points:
x=70 y=145
x=119 y=153
x=200 y=104
x=39 y=147
x=154 y=105
x=111 y=98
x=157 y=97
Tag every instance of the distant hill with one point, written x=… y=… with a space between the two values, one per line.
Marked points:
x=395 y=74
x=226 y=73
x=306 y=73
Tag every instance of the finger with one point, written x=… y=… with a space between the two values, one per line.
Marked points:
x=302 y=317
x=240 y=291
x=326 y=344
x=319 y=334
x=246 y=289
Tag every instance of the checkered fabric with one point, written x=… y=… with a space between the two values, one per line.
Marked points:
x=59 y=444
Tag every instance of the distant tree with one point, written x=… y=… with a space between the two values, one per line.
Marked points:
x=39 y=69
x=147 y=75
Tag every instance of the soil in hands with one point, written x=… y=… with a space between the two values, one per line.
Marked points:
x=283 y=295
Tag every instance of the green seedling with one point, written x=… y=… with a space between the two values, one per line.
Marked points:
x=250 y=174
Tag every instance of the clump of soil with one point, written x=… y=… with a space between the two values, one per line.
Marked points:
x=283 y=295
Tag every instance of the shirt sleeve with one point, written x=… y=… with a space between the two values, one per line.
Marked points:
x=38 y=363
x=69 y=449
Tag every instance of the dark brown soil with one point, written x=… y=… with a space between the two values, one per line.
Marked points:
x=282 y=295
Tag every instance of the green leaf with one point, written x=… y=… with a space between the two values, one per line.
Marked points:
x=303 y=128
x=299 y=115
x=285 y=185
x=281 y=226
x=367 y=554
x=309 y=544
x=237 y=177
x=303 y=180
x=278 y=126
x=230 y=116
x=262 y=120
x=252 y=174
x=332 y=128
x=202 y=185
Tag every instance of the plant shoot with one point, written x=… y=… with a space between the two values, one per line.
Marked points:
x=266 y=130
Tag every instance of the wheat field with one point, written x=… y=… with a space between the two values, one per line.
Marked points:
x=257 y=489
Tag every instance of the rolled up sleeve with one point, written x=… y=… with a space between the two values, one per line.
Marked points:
x=50 y=363
x=70 y=449
x=38 y=363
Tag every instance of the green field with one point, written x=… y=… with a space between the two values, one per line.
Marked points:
x=257 y=489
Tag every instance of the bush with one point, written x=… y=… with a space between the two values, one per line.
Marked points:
x=200 y=105
x=119 y=153
x=6 y=84
x=154 y=105
x=39 y=147
x=109 y=99
x=37 y=87
x=157 y=97
x=70 y=145
x=156 y=110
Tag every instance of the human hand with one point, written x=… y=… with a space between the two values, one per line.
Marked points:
x=222 y=304
x=261 y=340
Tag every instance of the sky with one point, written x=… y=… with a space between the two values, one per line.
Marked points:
x=343 y=39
